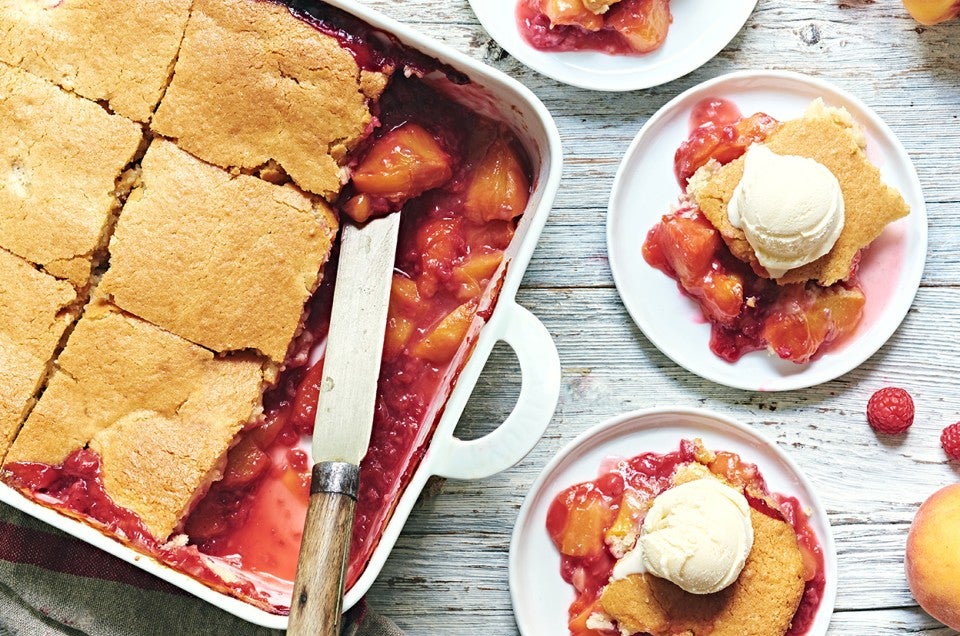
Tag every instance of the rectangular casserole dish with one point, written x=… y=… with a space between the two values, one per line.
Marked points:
x=495 y=95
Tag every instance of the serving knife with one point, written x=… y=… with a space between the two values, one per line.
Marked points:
x=344 y=419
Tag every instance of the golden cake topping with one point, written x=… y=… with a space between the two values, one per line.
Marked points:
x=761 y=602
x=120 y=378
x=60 y=165
x=830 y=137
x=133 y=48
x=189 y=256
x=252 y=85
x=35 y=310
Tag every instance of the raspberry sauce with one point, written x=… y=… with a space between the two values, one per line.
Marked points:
x=75 y=488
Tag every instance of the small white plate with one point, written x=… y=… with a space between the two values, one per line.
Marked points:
x=645 y=187
x=698 y=32
x=541 y=598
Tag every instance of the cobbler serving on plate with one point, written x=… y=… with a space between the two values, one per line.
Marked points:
x=686 y=542
x=768 y=232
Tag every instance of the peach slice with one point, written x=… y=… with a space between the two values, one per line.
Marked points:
x=578 y=623
x=441 y=343
x=404 y=296
x=721 y=142
x=932 y=11
x=577 y=519
x=403 y=164
x=479 y=267
x=643 y=23
x=933 y=556
x=688 y=246
x=572 y=13
x=720 y=295
x=245 y=463
x=399 y=331
x=804 y=319
x=474 y=272
x=498 y=187
x=633 y=506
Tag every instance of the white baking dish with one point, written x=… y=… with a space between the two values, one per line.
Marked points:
x=500 y=97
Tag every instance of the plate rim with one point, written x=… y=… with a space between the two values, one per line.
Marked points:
x=629 y=80
x=720 y=421
x=918 y=214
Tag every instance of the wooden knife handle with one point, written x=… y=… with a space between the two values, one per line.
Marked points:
x=318 y=590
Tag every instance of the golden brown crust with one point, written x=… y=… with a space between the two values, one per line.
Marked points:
x=870 y=203
x=35 y=310
x=155 y=465
x=225 y=262
x=254 y=83
x=115 y=364
x=373 y=83
x=134 y=48
x=59 y=164
x=761 y=602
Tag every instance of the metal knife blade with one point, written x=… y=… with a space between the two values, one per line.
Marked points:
x=344 y=420
x=355 y=341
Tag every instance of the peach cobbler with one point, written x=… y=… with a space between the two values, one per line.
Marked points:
x=173 y=176
x=767 y=235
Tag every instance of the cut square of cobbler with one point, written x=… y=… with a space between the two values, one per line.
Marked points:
x=224 y=261
x=253 y=86
x=135 y=48
x=61 y=163
x=161 y=411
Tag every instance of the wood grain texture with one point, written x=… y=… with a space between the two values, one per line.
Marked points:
x=448 y=574
x=318 y=592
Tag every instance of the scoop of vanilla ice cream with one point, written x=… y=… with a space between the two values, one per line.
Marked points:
x=790 y=208
x=697 y=535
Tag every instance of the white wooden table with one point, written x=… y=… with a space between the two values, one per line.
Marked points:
x=448 y=573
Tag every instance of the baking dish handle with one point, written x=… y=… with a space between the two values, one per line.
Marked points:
x=539 y=391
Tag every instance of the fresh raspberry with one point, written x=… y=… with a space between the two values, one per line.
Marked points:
x=890 y=410
x=950 y=440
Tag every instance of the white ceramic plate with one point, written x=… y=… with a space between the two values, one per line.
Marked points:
x=645 y=187
x=698 y=32
x=541 y=598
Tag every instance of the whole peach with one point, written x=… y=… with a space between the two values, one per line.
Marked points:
x=932 y=11
x=933 y=556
